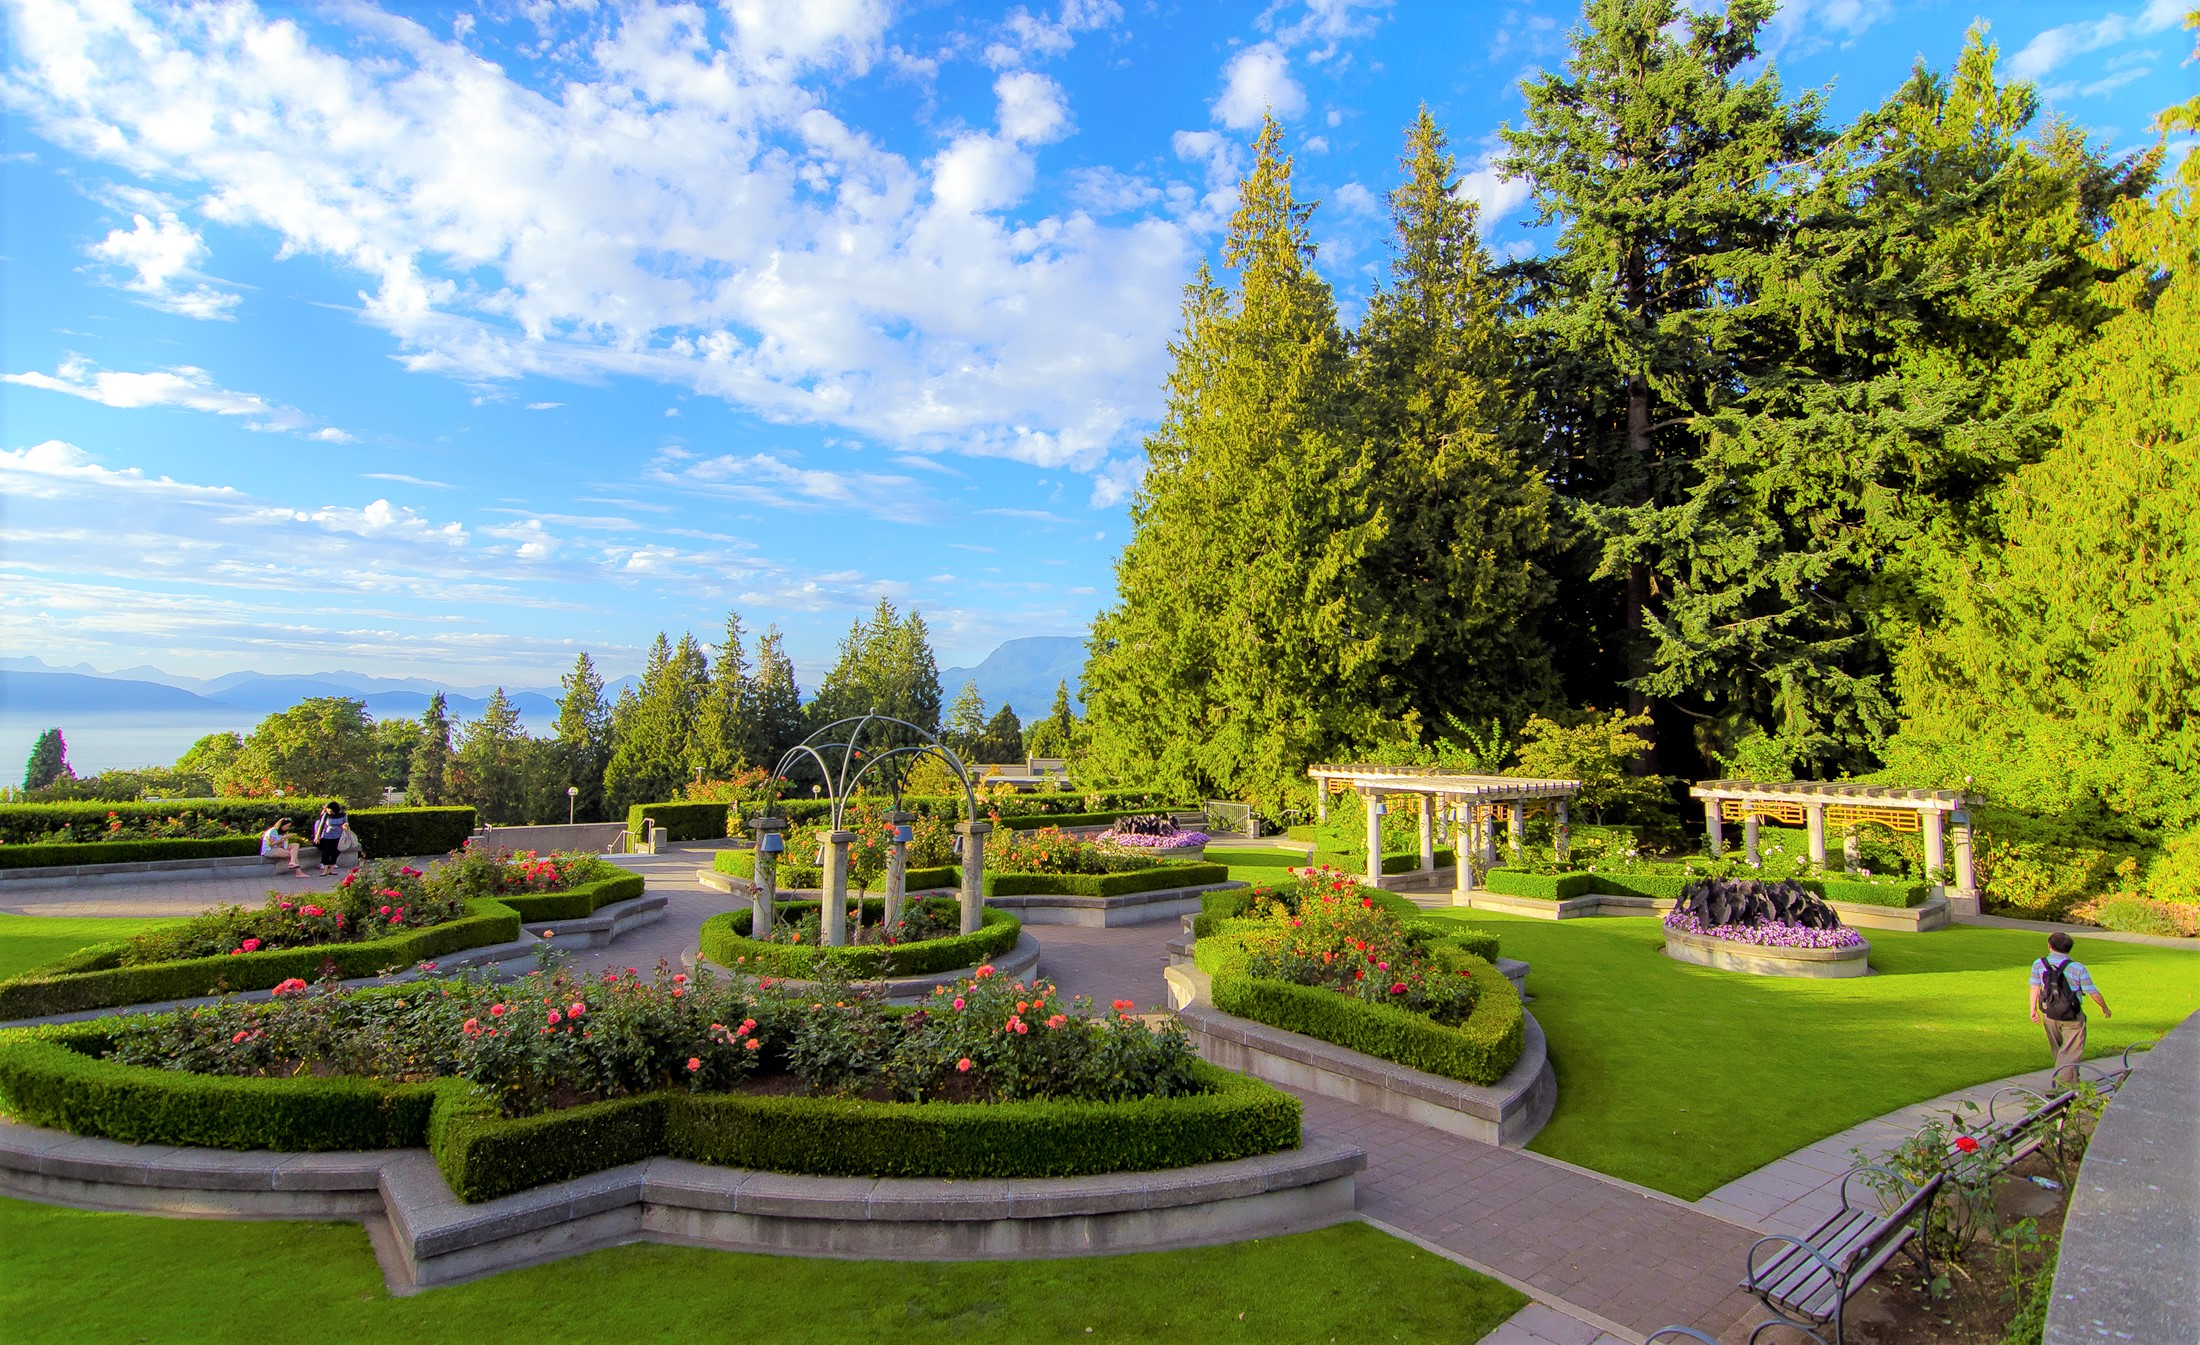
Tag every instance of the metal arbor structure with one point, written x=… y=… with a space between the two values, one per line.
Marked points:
x=846 y=753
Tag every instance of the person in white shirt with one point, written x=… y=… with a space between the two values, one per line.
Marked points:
x=2060 y=984
x=281 y=840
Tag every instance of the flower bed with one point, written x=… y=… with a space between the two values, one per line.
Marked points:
x=1326 y=959
x=1772 y=934
x=1641 y=881
x=1150 y=833
x=554 y=1076
x=726 y=941
x=1764 y=928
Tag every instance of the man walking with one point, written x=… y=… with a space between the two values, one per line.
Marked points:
x=2059 y=985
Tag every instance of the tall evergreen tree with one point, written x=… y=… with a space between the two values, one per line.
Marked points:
x=488 y=769
x=886 y=665
x=658 y=749
x=1056 y=735
x=724 y=730
x=776 y=719
x=1667 y=172
x=583 y=738
x=431 y=758
x=1454 y=581
x=964 y=730
x=1236 y=651
x=1004 y=736
x=49 y=761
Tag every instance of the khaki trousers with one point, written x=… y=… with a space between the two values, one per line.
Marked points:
x=2067 y=1041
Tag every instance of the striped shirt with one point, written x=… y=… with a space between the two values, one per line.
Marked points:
x=2081 y=980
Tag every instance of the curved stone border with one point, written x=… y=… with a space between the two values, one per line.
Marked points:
x=1823 y=964
x=1933 y=913
x=2130 y=1264
x=1017 y=962
x=1508 y=1112
x=506 y=960
x=436 y=1240
x=1132 y=908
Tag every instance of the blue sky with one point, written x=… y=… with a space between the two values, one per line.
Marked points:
x=448 y=341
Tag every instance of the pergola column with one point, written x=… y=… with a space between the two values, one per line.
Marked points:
x=1936 y=849
x=1562 y=836
x=897 y=867
x=1462 y=888
x=1486 y=834
x=1815 y=813
x=764 y=895
x=1374 y=839
x=835 y=916
x=1714 y=827
x=1428 y=833
x=1321 y=798
x=973 y=873
x=1966 y=898
x=1749 y=841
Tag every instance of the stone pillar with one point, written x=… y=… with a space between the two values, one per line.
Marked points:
x=1321 y=800
x=1487 y=835
x=764 y=896
x=1964 y=901
x=1936 y=850
x=1714 y=827
x=1463 y=886
x=1816 y=815
x=1374 y=804
x=1516 y=829
x=834 y=917
x=1749 y=842
x=1428 y=833
x=1852 y=851
x=973 y=873
x=1562 y=836
x=897 y=866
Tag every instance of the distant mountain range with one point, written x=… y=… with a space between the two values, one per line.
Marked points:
x=1023 y=673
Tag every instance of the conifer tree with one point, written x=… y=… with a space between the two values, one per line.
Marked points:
x=49 y=761
x=1056 y=735
x=776 y=720
x=886 y=665
x=584 y=738
x=1454 y=581
x=723 y=730
x=1237 y=650
x=488 y=768
x=657 y=747
x=964 y=729
x=431 y=758
x=1666 y=170
x=1004 y=736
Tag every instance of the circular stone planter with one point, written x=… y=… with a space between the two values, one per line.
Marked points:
x=1764 y=960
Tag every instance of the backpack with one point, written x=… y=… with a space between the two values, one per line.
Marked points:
x=2057 y=1000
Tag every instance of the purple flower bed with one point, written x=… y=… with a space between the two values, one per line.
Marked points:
x=1771 y=934
x=1180 y=841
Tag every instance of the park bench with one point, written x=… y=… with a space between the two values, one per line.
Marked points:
x=1690 y=1333
x=1806 y=1282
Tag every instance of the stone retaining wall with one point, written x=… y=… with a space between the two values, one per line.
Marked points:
x=437 y=1240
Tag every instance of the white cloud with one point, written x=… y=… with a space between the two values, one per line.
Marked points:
x=1800 y=27
x=1354 y=199
x=181 y=386
x=2056 y=46
x=768 y=478
x=1033 y=108
x=1258 y=81
x=162 y=253
x=55 y=468
x=1026 y=36
x=1328 y=22
x=404 y=480
x=544 y=406
x=1496 y=198
x=670 y=200
x=1105 y=191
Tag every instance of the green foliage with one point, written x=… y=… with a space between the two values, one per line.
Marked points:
x=2175 y=874
x=1158 y=878
x=576 y=902
x=655 y=748
x=49 y=761
x=1543 y=886
x=32 y=855
x=321 y=747
x=706 y=821
x=425 y=774
x=1061 y=734
x=1600 y=753
x=488 y=769
x=776 y=717
x=726 y=941
x=723 y=728
x=211 y=755
x=886 y=665
x=1479 y=1050
x=383 y=831
x=584 y=738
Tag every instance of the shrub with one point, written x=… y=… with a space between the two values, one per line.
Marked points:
x=2130 y=913
x=1543 y=886
x=1216 y=907
x=1103 y=805
x=726 y=941
x=705 y=821
x=89 y=822
x=578 y=902
x=92 y=978
x=804 y=877
x=1865 y=892
x=1479 y=1050
x=32 y=855
x=1157 y=878
x=387 y=833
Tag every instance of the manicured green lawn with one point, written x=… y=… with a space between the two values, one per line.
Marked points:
x=1258 y=866
x=1683 y=1078
x=28 y=941
x=82 y=1277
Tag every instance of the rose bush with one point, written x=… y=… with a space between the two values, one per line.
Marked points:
x=1322 y=930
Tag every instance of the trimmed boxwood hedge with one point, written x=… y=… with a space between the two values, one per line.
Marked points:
x=387 y=833
x=575 y=903
x=90 y=979
x=725 y=941
x=483 y=1156
x=1543 y=886
x=52 y=1077
x=126 y=852
x=1667 y=887
x=1185 y=873
x=682 y=821
x=800 y=877
x=1479 y=1050
x=1866 y=893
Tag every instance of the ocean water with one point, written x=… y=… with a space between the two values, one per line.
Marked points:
x=100 y=741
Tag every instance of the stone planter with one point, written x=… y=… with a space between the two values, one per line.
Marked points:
x=1764 y=960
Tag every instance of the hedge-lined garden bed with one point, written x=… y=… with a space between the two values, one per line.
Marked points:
x=575 y=903
x=1330 y=960
x=1055 y=807
x=1668 y=887
x=808 y=877
x=508 y=1089
x=726 y=941
x=682 y=821
x=35 y=856
x=30 y=833
x=1163 y=874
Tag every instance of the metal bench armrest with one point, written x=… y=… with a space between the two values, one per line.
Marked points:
x=1812 y=1252
x=1909 y=1187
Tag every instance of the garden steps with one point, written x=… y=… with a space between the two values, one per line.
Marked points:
x=430 y=1238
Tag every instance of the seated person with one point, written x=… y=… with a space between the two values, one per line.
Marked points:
x=281 y=840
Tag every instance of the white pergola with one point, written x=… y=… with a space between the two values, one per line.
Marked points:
x=1814 y=803
x=1470 y=803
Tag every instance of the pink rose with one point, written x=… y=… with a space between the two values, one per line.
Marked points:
x=962 y=1066
x=252 y=945
x=575 y=1009
x=694 y=1063
x=751 y=1044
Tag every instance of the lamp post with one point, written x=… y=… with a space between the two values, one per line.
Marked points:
x=572 y=801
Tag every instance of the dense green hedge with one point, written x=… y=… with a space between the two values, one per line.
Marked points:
x=1546 y=886
x=90 y=979
x=1182 y=874
x=1055 y=807
x=52 y=1077
x=24 y=822
x=725 y=941
x=1866 y=893
x=386 y=833
x=682 y=821
x=575 y=903
x=1355 y=861
x=28 y=856
x=1480 y=1050
x=1215 y=907
x=803 y=877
